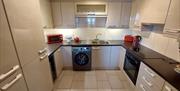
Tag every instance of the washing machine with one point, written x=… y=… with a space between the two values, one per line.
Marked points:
x=81 y=58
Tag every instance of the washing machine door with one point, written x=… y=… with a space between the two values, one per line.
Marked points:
x=81 y=59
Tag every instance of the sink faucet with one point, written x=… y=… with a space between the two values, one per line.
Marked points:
x=98 y=35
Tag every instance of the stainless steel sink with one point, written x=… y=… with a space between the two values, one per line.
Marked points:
x=97 y=41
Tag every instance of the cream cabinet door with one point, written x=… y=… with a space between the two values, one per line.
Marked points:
x=173 y=17
x=125 y=14
x=154 y=11
x=15 y=82
x=115 y=56
x=101 y=57
x=58 y=58
x=114 y=14
x=68 y=13
x=67 y=56
x=8 y=56
x=38 y=75
x=56 y=13
x=25 y=22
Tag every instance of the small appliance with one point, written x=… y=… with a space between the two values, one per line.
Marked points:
x=128 y=38
x=55 y=38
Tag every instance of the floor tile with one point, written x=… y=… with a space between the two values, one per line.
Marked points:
x=103 y=85
x=62 y=90
x=84 y=90
x=65 y=82
x=67 y=72
x=101 y=75
x=116 y=83
x=78 y=85
x=79 y=76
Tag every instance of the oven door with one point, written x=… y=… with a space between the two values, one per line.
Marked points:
x=131 y=67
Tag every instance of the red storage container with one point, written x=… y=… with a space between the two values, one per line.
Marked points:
x=128 y=38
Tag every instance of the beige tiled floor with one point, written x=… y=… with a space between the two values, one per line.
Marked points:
x=97 y=80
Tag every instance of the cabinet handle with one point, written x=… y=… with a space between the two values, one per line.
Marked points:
x=5 y=87
x=44 y=56
x=150 y=73
x=3 y=76
x=150 y=84
x=42 y=51
x=142 y=87
x=168 y=88
x=95 y=48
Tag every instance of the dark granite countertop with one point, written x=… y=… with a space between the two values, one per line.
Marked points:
x=161 y=64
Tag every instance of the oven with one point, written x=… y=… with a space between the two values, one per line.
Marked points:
x=131 y=66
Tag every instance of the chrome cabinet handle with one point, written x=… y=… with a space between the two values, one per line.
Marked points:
x=150 y=84
x=168 y=88
x=153 y=75
x=3 y=76
x=142 y=87
x=44 y=56
x=5 y=87
x=42 y=51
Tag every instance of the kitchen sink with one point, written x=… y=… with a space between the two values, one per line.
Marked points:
x=97 y=41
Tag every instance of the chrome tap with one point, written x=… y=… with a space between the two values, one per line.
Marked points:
x=98 y=35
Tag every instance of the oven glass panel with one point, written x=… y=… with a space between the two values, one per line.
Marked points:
x=131 y=67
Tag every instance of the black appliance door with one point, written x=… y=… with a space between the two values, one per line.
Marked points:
x=131 y=67
x=81 y=59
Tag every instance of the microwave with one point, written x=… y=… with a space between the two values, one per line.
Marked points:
x=55 y=38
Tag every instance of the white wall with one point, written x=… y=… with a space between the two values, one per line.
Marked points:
x=164 y=45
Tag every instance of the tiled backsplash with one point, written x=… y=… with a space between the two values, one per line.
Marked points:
x=90 y=33
x=157 y=42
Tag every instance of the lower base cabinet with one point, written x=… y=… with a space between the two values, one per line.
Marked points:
x=101 y=57
x=58 y=58
x=67 y=56
x=38 y=75
x=168 y=87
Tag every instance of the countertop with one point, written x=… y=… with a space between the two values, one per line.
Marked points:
x=161 y=64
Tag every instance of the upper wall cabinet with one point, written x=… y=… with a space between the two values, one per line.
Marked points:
x=149 y=11
x=173 y=17
x=63 y=13
x=118 y=14
x=154 y=11
x=68 y=17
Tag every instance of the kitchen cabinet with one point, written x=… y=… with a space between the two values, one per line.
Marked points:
x=114 y=13
x=125 y=14
x=115 y=56
x=143 y=12
x=37 y=75
x=101 y=57
x=56 y=13
x=26 y=27
x=168 y=87
x=122 y=55
x=67 y=56
x=148 y=80
x=173 y=17
x=118 y=14
x=15 y=82
x=68 y=13
x=156 y=14
x=58 y=58
x=8 y=56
